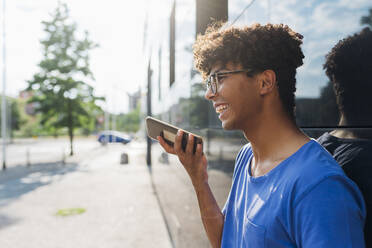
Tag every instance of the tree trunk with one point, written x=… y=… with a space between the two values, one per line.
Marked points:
x=71 y=135
x=70 y=128
x=55 y=133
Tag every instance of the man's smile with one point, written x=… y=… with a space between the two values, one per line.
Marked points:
x=221 y=108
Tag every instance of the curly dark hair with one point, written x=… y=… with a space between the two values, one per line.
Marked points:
x=349 y=67
x=258 y=47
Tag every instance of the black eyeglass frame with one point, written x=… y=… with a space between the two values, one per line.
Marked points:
x=212 y=80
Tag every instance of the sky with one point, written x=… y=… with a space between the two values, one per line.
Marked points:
x=117 y=26
x=322 y=23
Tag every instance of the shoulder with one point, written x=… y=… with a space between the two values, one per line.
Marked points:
x=313 y=161
x=244 y=152
x=242 y=158
x=310 y=168
x=345 y=147
x=352 y=154
x=325 y=138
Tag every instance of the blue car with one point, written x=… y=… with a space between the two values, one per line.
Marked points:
x=105 y=137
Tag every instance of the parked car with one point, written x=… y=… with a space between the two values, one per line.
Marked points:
x=110 y=136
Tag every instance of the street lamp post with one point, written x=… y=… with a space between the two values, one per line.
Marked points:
x=106 y=137
x=3 y=98
x=149 y=112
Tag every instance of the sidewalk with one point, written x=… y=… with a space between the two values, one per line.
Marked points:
x=179 y=202
x=121 y=209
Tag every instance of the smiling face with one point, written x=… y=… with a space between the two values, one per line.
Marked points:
x=237 y=100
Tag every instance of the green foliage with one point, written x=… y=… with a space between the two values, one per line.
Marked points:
x=32 y=127
x=328 y=104
x=191 y=113
x=198 y=106
x=322 y=111
x=130 y=122
x=367 y=20
x=64 y=99
x=15 y=119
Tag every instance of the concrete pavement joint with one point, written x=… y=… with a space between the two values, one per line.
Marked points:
x=171 y=239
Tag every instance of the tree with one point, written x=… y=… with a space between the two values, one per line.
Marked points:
x=63 y=98
x=367 y=20
x=198 y=107
x=15 y=120
x=130 y=122
x=328 y=103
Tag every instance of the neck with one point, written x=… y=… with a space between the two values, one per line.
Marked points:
x=349 y=134
x=274 y=139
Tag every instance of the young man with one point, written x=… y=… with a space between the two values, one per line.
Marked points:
x=287 y=190
x=349 y=68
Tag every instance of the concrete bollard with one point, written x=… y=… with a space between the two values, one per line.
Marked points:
x=28 y=157
x=63 y=157
x=220 y=156
x=124 y=158
x=164 y=158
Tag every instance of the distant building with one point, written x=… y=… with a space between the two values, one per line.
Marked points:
x=25 y=95
x=134 y=100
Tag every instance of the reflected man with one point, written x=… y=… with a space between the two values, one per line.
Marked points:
x=349 y=68
x=287 y=190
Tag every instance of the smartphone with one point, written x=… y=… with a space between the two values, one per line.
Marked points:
x=168 y=132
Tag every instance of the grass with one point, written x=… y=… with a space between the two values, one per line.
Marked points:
x=70 y=211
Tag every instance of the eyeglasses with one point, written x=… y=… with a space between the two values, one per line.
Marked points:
x=212 y=80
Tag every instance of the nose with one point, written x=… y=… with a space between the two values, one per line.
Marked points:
x=208 y=94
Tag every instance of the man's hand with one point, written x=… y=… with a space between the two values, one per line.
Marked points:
x=194 y=163
x=196 y=167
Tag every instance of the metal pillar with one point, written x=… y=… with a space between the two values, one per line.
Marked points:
x=3 y=99
x=149 y=112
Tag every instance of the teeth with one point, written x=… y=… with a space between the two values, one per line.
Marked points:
x=221 y=108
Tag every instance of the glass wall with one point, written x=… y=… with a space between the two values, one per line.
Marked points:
x=169 y=99
x=322 y=23
x=181 y=102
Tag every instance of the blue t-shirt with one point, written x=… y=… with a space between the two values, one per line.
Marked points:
x=305 y=201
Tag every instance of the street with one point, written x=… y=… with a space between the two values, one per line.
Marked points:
x=117 y=202
x=44 y=150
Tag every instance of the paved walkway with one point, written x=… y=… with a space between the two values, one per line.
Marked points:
x=121 y=209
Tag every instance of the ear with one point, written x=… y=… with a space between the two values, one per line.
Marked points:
x=268 y=82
